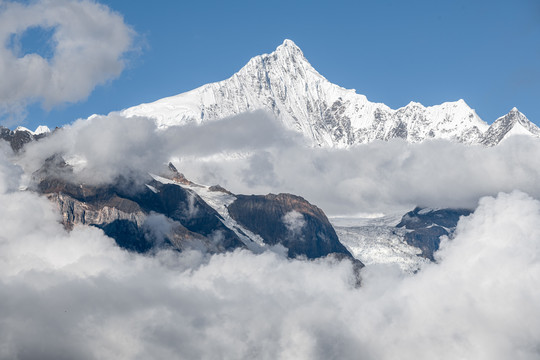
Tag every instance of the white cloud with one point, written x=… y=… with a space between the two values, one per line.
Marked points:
x=90 y=41
x=103 y=147
x=381 y=176
x=252 y=154
x=77 y=295
x=294 y=222
x=480 y=301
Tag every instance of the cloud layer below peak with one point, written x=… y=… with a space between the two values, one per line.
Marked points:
x=77 y=295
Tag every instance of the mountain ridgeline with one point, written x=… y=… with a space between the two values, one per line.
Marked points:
x=170 y=211
x=284 y=84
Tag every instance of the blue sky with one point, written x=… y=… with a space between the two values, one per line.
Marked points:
x=486 y=52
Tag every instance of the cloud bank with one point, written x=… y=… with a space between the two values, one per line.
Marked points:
x=252 y=153
x=89 y=42
x=77 y=295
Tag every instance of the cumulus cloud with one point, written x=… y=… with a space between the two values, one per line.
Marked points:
x=89 y=42
x=77 y=295
x=252 y=153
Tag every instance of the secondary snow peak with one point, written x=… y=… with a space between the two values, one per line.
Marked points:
x=513 y=123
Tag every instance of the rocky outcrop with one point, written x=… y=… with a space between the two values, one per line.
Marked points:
x=178 y=176
x=288 y=220
x=426 y=226
x=16 y=139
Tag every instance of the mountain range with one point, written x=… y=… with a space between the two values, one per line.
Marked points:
x=285 y=84
x=169 y=210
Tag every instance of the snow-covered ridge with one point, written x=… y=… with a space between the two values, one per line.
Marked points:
x=42 y=129
x=285 y=84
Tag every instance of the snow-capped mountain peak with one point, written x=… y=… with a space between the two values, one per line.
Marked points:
x=285 y=84
x=513 y=123
x=42 y=129
x=290 y=49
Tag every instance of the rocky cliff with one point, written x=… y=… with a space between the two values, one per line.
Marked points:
x=288 y=220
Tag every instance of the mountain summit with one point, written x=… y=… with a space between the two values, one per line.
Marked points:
x=285 y=84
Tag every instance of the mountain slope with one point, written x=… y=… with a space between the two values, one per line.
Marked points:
x=286 y=85
x=173 y=212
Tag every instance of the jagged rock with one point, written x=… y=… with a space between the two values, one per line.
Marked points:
x=135 y=215
x=177 y=176
x=220 y=189
x=16 y=139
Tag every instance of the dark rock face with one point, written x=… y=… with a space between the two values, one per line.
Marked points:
x=288 y=220
x=427 y=226
x=127 y=235
x=220 y=189
x=123 y=211
x=188 y=209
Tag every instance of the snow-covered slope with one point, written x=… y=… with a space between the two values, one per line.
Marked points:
x=286 y=85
